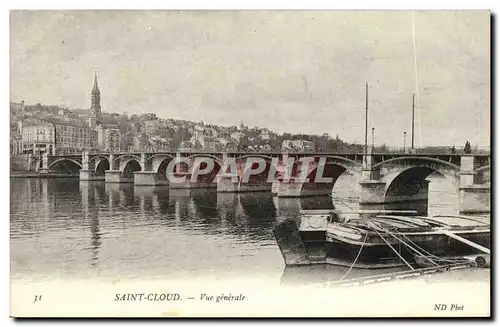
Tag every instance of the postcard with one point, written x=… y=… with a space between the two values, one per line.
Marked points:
x=204 y=163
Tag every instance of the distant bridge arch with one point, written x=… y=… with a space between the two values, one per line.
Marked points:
x=58 y=161
x=128 y=167
x=97 y=157
x=130 y=156
x=190 y=158
x=159 y=161
x=66 y=165
x=102 y=165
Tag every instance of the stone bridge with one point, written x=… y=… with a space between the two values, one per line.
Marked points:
x=383 y=178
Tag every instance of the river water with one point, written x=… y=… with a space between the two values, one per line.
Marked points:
x=67 y=229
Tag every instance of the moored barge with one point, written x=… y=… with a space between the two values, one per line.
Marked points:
x=380 y=239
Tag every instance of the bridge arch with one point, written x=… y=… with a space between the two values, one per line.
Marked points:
x=419 y=167
x=160 y=163
x=409 y=160
x=208 y=178
x=129 y=167
x=123 y=160
x=218 y=160
x=130 y=156
x=349 y=164
x=482 y=175
x=157 y=159
x=335 y=168
x=256 y=181
x=66 y=165
x=407 y=184
x=97 y=157
x=101 y=166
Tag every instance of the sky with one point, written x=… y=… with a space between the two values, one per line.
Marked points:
x=290 y=71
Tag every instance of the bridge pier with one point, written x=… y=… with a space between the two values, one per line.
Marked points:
x=186 y=182
x=372 y=188
x=295 y=189
x=45 y=164
x=254 y=187
x=372 y=192
x=148 y=178
x=227 y=185
x=275 y=187
x=473 y=198
x=290 y=189
x=87 y=173
x=115 y=176
x=90 y=175
x=30 y=161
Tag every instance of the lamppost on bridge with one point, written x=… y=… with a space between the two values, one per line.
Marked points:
x=404 y=142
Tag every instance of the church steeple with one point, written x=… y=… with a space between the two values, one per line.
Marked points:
x=95 y=107
x=95 y=89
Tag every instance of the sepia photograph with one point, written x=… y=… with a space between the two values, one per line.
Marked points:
x=250 y=163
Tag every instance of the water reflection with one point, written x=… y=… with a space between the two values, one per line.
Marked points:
x=70 y=228
x=205 y=204
x=259 y=212
x=317 y=202
x=90 y=197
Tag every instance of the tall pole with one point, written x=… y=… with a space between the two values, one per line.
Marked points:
x=413 y=123
x=373 y=138
x=366 y=122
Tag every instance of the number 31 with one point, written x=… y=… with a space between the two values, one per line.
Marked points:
x=37 y=298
